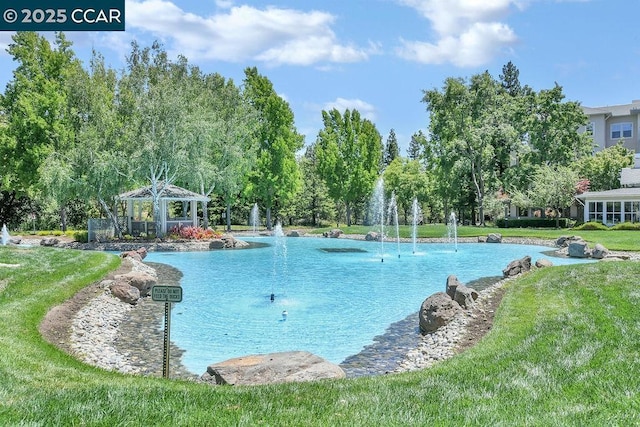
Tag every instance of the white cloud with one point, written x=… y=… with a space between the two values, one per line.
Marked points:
x=5 y=40
x=477 y=46
x=469 y=32
x=273 y=35
x=365 y=109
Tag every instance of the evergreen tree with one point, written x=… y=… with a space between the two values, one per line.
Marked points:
x=391 y=150
x=416 y=146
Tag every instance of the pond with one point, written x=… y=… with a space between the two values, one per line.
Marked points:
x=331 y=297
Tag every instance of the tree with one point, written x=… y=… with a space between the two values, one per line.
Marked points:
x=552 y=129
x=276 y=177
x=349 y=151
x=416 y=146
x=407 y=180
x=552 y=187
x=39 y=117
x=224 y=126
x=391 y=150
x=312 y=204
x=510 y=81
x=604 y=167
x=157 y=130
x=467 y=123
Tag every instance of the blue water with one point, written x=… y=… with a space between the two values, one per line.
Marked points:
x=336 y=302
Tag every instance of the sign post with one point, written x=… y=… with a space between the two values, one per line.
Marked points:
x=168 y=295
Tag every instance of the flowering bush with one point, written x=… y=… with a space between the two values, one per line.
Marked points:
x=193 y=233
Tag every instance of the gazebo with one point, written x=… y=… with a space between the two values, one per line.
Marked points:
x=135 y=199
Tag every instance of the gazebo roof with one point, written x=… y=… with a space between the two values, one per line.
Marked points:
x=168 y=192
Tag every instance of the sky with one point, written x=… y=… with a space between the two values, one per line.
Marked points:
x=379 y=56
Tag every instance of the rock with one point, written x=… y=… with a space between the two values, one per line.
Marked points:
x=132 y=254
x=599 y=251
x=49 y=241
x=436 y=311
x=482 y=239
x=125 y=292
x=494 y=238
x=15 y=240
x=465 y=296
x=216 y=244
x=452 y=285
x=293 y=233
x=543 y=262
x=293 y=366
x=371 y=236
x=517 y=266
x=142 y=252
x=578 y=249
x=563 y=241
x=143 y=281
x=335 y=233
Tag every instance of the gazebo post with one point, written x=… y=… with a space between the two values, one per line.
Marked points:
x=194 y=213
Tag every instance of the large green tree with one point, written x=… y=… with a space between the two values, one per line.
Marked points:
x=604 y=167
x=39 y=117
x=157 y=130
x=276 y=177
x=223 y=151
x=391 y=150
x=407 y=180
x=349 y=151
x=470 y=124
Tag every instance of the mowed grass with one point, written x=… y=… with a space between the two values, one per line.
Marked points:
x=564 y=350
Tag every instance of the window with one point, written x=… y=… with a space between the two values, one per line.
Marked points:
x=631 y=211
x=614 y=214
x=596 y=210
x=621 y=130
x=590 y=129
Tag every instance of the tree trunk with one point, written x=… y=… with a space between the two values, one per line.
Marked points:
x=112 y=217
x=268 y=213
x=63 y=219
x=228 y=216
x=348 y=212
x=205 y=215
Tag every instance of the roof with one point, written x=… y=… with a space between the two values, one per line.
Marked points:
x=614 y=110
x=168 y=192
x=619 y=193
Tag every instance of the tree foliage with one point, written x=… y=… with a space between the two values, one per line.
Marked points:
x=276 y=176
x=349 y=151
x=604 y=167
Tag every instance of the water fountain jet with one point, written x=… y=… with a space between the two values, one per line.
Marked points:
x=415 y=209
x=453 y=230
x=254 y=218
x=5 y=235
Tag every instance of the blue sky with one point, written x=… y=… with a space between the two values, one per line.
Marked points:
x=378 y=56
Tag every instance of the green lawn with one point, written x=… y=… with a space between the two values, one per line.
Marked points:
x=564 y=350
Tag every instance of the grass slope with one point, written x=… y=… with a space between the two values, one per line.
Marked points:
x=564 y=350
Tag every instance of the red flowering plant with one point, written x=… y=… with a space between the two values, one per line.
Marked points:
x=192 y=233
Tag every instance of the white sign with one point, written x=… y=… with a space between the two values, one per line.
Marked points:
x=166 y=293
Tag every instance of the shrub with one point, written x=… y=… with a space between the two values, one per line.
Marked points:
x=531 y=222
x=592 y=225
x=193 y=233
x=81 y=236
x=633 y=226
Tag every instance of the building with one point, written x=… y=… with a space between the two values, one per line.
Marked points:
x=610 y=126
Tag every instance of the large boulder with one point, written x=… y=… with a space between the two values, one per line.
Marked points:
x=293 y=366
x=494 y=238
x=293 y=233
x=125 y=292
x=143 y=281
x=452 y=285
x=135 y=255
x=578 y=249
x=436 y=311
x=599 y=251
x=465 y=296
x=371 y=236
x=49 y=241
x=543 y=262
x=564 y=241
x=517 y=266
